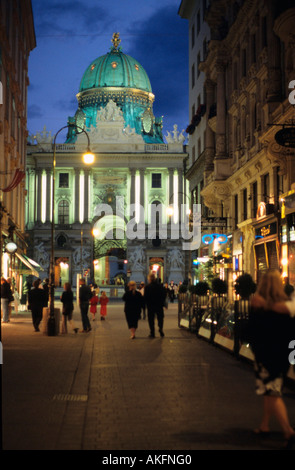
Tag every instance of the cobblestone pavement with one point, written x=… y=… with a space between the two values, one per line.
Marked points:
x=103 y=391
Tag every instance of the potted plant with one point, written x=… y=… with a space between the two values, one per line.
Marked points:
x=219 y=286
x=182 y=289
x=245 y=286
x=201 y=288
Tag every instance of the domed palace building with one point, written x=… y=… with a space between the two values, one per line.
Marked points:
x=114 y=218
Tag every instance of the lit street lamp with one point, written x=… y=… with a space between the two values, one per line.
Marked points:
x=88 y=158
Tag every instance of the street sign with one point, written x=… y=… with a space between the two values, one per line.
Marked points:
x=286 y=137
x=214 y=222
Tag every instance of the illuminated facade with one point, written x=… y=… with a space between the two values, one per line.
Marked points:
x=134 y=168
x=17 y=40
x=249 y=66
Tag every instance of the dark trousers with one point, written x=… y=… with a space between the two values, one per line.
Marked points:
x=84 y=306
x=37 y=316
x=151 y=319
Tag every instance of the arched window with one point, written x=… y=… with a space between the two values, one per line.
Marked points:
x=63 y=212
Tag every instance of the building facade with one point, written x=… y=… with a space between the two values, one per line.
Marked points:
x=249 y=65
x=111 y=218
x=17 y=40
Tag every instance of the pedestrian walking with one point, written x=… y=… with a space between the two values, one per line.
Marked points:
x=6 y=298
x=46 y=290
x=154 y=297
x=141 y=290
x=67 y=300
x=104 y=300
x=84 y=297
x=11 y=299
x=171 y=292
x=271 y=330
x=166 y=295
x=36 y=302
x=93 y=304
x=133 y=304
x=16 y=300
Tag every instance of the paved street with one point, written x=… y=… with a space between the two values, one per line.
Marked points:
x=103 y=391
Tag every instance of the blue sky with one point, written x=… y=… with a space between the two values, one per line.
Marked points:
x=70 y=34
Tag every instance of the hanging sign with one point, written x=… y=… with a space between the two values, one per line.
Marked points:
x=286 y=137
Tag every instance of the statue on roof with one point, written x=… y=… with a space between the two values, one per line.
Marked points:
x=116 y=40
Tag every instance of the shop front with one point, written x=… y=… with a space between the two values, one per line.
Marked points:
x=266 y=245
x=287 y=237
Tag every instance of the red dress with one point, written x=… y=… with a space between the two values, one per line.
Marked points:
x=103 y=305
x=93 y=304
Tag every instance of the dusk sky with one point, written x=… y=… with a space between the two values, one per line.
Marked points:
x=72 y=33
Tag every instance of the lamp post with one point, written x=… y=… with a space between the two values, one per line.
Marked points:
x=88 y=159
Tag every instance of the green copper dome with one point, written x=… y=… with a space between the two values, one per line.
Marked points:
x=115 y=69
x=118 y=77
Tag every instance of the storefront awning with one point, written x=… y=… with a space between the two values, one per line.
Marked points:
x=27 y=263
x=33 y=263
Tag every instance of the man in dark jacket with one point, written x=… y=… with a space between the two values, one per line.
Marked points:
x=36 y=302
x=84 y=297
x=154 y=297
x=46 y=290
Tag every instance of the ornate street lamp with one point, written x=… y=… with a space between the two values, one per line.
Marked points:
x=88 y=158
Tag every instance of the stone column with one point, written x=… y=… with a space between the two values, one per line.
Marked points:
x=77 y=195
x=39 y=194
x=48 y=194
x=142 y=187
x=86 y=195
x=132 y=186
x=180 y=190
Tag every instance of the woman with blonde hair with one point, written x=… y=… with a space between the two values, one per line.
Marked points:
x=272 y=328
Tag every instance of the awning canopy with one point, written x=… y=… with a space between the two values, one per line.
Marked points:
x=28 y=264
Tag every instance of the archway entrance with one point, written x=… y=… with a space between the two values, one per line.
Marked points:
x=109 y=251
x=61 y=271
x=156 y=265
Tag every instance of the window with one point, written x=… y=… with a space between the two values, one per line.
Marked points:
x=156 y=180
x=204 y=8
x=198 y=63
x=266 y=187
x=236 y=203
x=64 y=180
x=193 y=75
x=245 y=202
x=253 y=48
x=193 y=154
x=244 y=63
x=63 y=213
x=61 y=241
x=204 y=49
x=198 y=22
x=264 y=32
x=254 y=199
x=193 y=35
